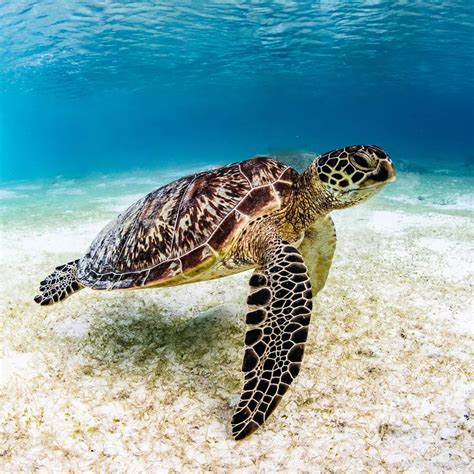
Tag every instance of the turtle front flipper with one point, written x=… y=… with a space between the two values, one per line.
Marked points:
x=317 y=248
x=279 y=314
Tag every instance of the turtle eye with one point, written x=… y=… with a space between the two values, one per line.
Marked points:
x=360 y=161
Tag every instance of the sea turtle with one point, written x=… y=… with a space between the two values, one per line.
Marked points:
x=259 y=214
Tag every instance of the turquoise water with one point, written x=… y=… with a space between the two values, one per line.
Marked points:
x=101 y=87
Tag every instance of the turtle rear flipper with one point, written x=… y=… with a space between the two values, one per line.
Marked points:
x=59 y=285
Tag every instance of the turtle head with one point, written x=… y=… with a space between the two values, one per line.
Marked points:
x=353 y=174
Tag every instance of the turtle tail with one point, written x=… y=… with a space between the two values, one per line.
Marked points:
x=61 y=284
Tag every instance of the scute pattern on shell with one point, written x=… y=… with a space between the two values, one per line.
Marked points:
x=183 y=224
x=207 y=201
x=260 y=171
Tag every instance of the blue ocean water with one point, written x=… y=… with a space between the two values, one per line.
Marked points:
x=92 y=87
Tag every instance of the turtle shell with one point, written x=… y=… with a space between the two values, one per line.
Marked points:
x=184 y=227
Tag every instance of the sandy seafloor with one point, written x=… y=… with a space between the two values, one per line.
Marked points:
x=146 y=381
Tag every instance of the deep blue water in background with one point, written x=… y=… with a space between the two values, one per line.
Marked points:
x=101 y=86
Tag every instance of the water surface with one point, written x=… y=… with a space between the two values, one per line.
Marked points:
x=110 y=86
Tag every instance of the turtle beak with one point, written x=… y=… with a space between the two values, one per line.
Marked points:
x=390 y=171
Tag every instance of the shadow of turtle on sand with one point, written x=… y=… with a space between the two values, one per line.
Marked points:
x=201 y=353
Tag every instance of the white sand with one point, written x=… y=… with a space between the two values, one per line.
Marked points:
x=146 y=381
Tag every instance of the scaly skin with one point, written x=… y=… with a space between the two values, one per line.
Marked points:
x=286 y=279
x=313 y=198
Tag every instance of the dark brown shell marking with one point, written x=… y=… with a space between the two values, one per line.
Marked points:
x=184 y=226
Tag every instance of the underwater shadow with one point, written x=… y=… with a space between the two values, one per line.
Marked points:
x=201 y=353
